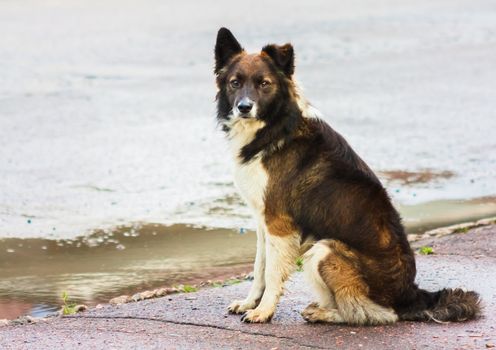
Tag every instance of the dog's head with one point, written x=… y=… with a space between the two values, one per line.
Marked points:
x=252 y=85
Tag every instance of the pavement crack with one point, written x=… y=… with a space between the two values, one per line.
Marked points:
x=184 y=323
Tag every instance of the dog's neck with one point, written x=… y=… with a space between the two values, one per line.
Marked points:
x=253 y=138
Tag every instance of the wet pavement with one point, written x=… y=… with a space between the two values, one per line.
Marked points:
x=199 y=320
x=107 y=111
x=95 y=268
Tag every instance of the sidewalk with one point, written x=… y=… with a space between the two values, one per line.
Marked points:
x=200 y=321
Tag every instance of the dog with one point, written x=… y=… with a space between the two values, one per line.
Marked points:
x=304 y=183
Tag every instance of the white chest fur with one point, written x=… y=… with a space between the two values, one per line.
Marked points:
x=250 y=178
x=251 y=181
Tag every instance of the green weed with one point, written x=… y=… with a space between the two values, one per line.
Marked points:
x=189 y=289
x=68 y=308
x=426 y=250
x=462 y=229
x=232 y=281
x=299 y=264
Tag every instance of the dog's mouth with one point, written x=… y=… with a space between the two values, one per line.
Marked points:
x=252 y=114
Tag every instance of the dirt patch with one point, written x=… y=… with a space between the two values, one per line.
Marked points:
x=415 y=177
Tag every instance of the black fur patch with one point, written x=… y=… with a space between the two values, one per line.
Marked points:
x=226 y=48
x=283 y=57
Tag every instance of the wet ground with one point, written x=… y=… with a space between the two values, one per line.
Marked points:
x=200 y=320
x=96 y=268
x=107 y=119
x=107 y=109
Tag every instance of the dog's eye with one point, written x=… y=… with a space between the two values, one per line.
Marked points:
x=264 y=83
x=235 y=84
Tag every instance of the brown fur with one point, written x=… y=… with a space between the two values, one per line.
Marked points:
x=319 y=188
x=279 y=225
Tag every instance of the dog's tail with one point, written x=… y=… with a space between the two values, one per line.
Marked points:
x=446 y=305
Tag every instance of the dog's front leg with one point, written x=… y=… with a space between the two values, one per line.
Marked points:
x=258 y=285
x=281 y=253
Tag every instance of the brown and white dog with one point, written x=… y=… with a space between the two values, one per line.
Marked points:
x=305 y=183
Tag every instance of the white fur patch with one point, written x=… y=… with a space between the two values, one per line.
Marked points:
x=241 y=132
x=250 y=178
x=251 y=181
x=312 y=258
x=306 y=108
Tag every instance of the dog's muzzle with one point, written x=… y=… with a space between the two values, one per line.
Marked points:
x=245 y=108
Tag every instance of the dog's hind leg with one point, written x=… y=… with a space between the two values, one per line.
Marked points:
x=333 y=264
x=258 y=285
x=325 y=308
x=281 y=254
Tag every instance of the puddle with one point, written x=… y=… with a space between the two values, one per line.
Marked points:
x=35 y=272
x=419 y=218
x=108 y=263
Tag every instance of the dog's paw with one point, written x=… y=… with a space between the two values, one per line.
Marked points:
x=311 y=306
x=257 y=316
x=313 y=314
x=240 y=306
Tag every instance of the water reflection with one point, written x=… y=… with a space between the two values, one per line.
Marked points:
x=96 y=268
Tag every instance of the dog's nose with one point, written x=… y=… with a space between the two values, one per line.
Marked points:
x=245 y=106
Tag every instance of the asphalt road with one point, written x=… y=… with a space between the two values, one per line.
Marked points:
x=199 y=320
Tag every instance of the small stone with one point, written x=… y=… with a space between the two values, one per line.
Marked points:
x=160 y=292
x=412 y=237
x=136 y=297
x=4 y=322
x=485 y=222
x=23 y=320
x=490 y=345
x=99 y=306
x=123 y=299
x=80 y=308
x=172 y=290
x=148 y=294
x=475 y=335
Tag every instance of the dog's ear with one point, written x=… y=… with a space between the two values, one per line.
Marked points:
x=283 y=57
x=225 y=48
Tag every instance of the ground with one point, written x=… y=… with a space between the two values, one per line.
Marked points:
x=200 y=321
